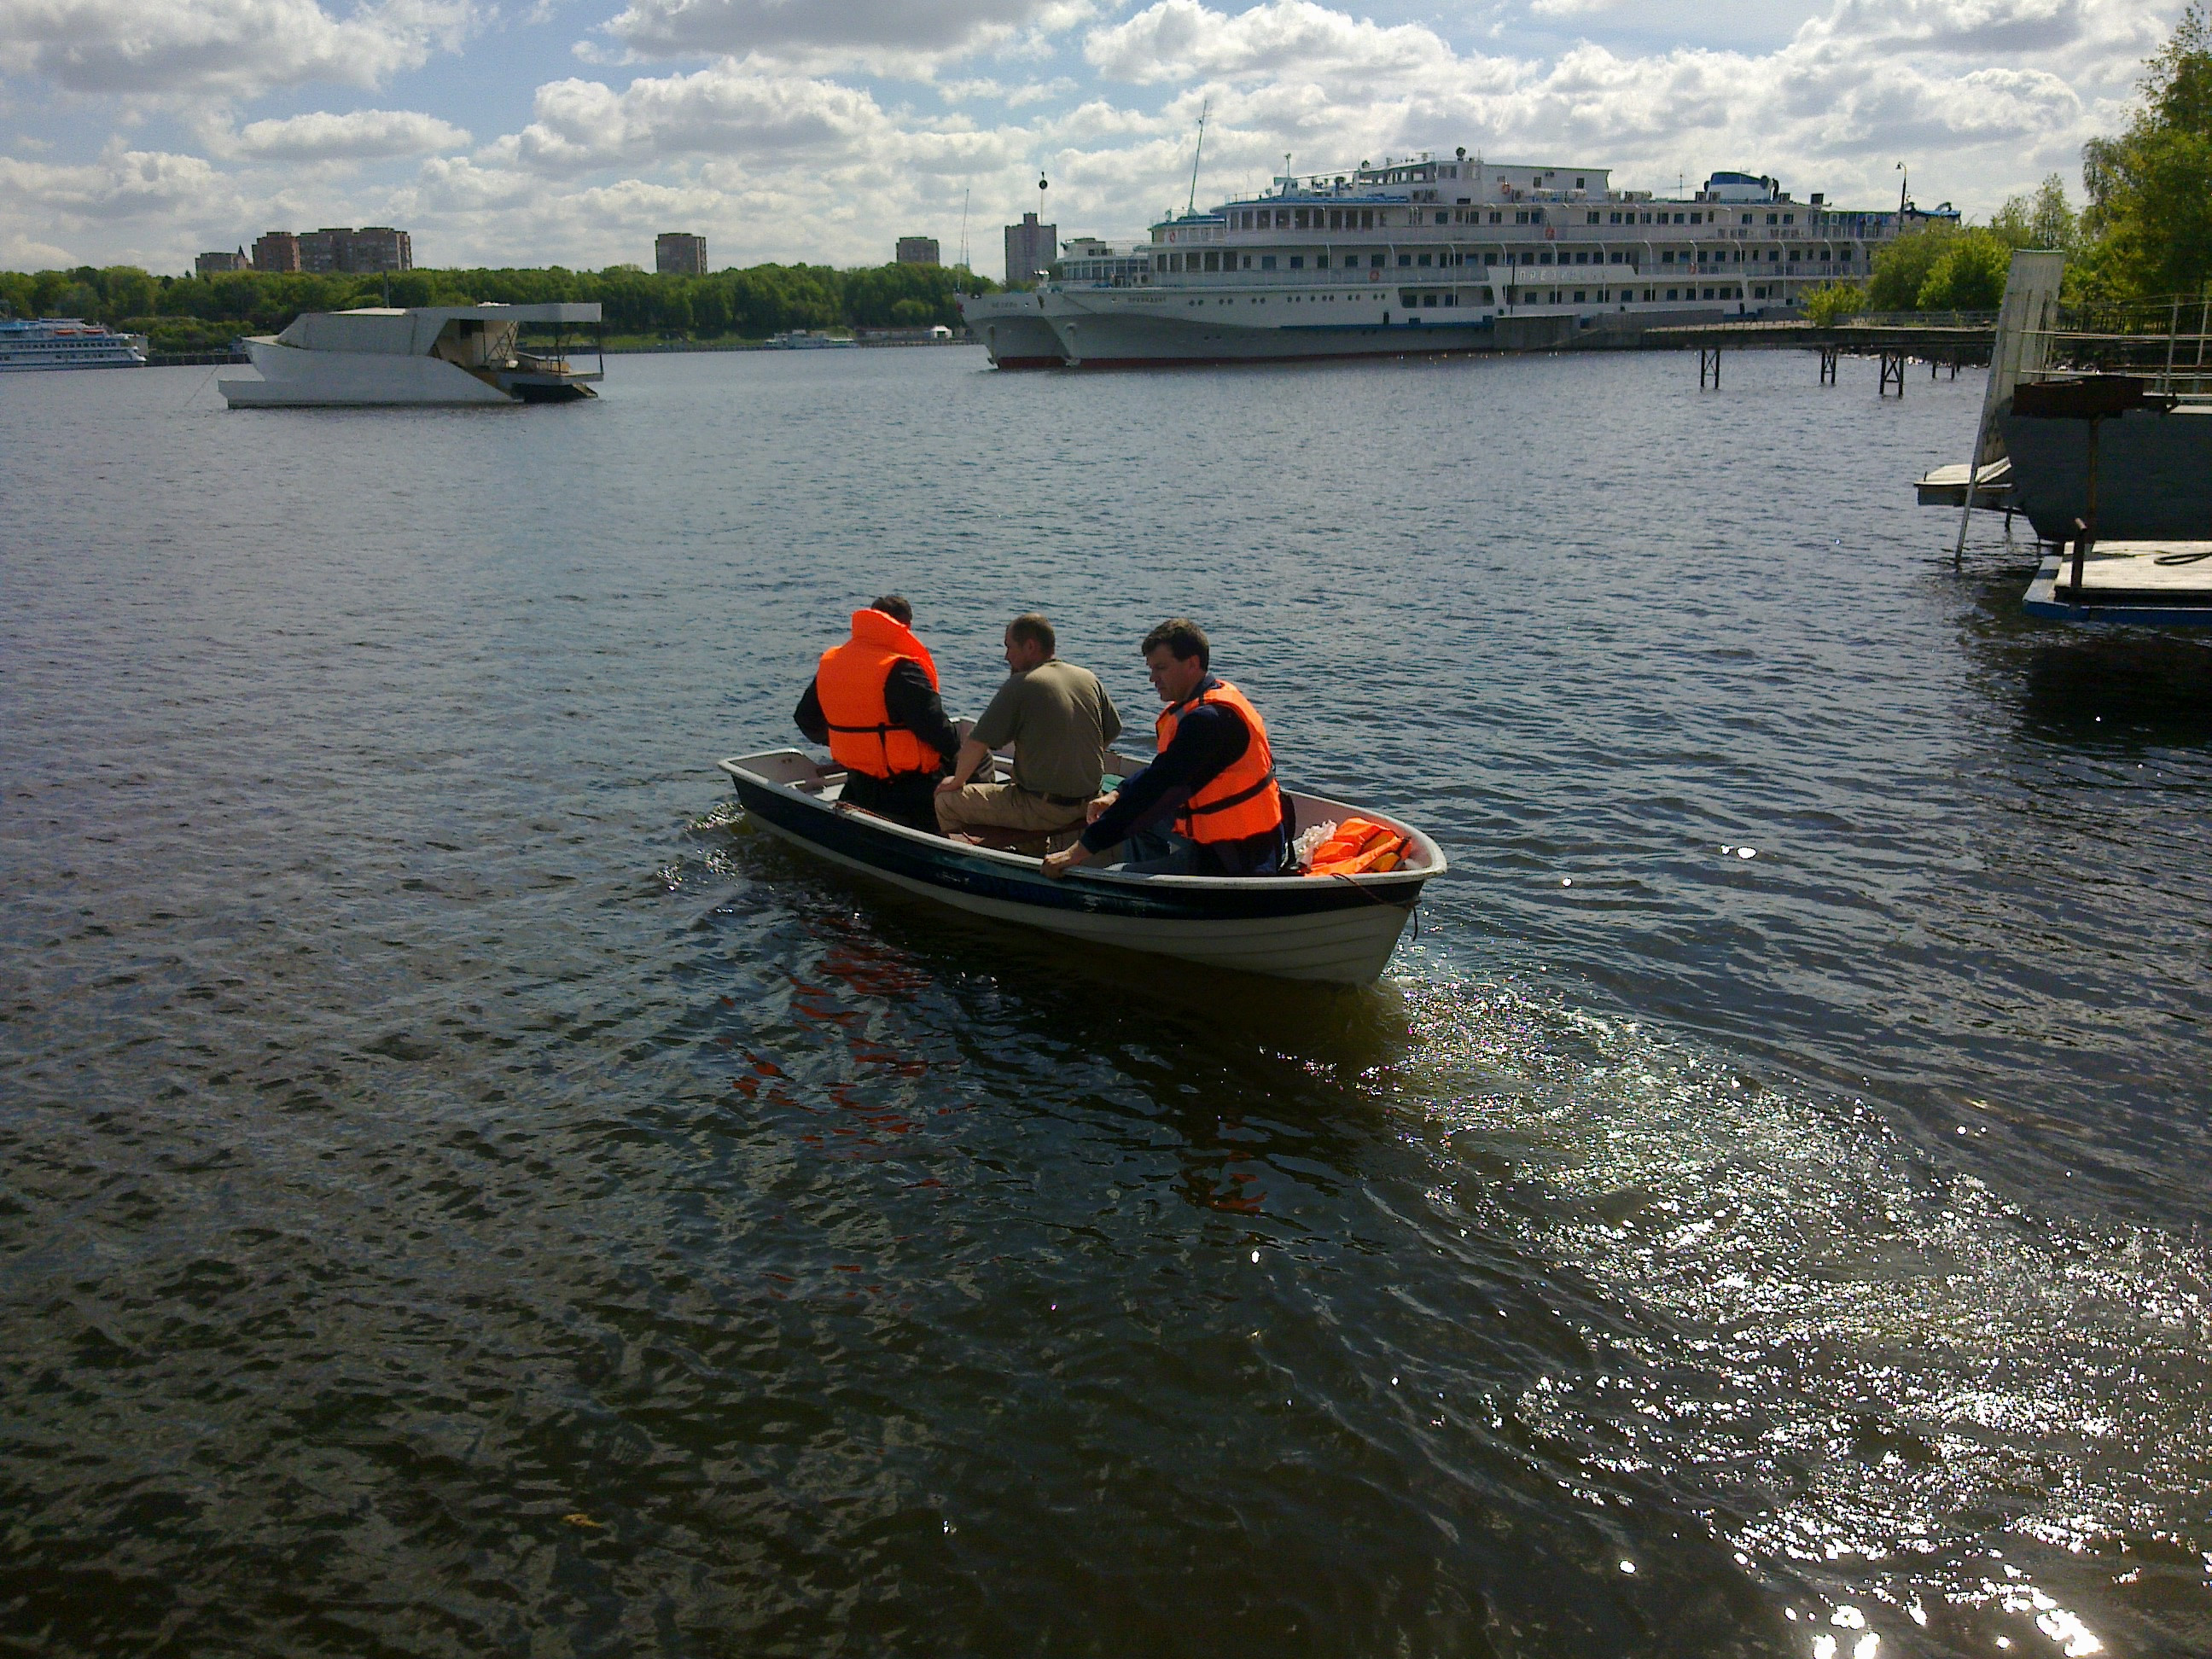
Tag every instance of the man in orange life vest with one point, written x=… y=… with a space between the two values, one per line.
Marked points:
x=1213 y=778
x=874 y=702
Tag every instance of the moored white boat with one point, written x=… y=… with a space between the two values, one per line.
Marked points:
x=420 y=354
x=1338 y=929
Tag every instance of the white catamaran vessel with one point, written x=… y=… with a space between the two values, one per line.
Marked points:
x=67 y=343
x=1432 y=255
x=383 y=355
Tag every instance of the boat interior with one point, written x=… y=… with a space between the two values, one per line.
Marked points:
x=796 y=770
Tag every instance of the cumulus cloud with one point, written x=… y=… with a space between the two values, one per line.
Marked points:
x=361 y=135
x=225 y=48
x=775 y=152
x=827 y=30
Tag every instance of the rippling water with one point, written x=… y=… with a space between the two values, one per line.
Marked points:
x=463 y=1190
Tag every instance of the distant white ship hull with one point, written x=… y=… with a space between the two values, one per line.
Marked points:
x=1139 y=327
x=1012 y=329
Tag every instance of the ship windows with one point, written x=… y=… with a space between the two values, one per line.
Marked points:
x=1297 y=262
x=1408 y=299
x=1367 y=218
x=1584 y=259
x=1423 y=260
x=1581 y=295
x=1212 y=261
x=1159 y=262
x=1429 y=302
x=1666 y=257
x=1544 y=257
x=1498 y=218
x=1320 y=261
x=1267 y=262
x=1697 y=218
x=1789 y=218
x=1773 y=218
x=1374 y=260
x=1521 y=217
x=1336 y=218
x=1673 y=295
x=1405 y=258
x=1593 y=218
x=1298 y=220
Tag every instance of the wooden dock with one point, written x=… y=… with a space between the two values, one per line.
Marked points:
x=2161 y=583
x=1952 y=344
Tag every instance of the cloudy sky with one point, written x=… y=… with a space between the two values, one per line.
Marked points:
x=569 y=131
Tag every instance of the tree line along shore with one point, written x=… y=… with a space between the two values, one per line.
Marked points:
x=205 y=314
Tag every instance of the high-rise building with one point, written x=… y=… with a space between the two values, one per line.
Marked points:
x=917 y=251
x=380 y=247
x=338 y=247
x=1028 y=249
x=277 y=250
x=679 y=254
x=210 y=265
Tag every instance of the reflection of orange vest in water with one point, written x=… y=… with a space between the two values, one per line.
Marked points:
x=850 y=685
x=1242 y=800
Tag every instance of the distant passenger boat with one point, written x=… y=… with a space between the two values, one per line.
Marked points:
x=805 y=339
x=1432 y=255
x=1340 y=929
x=68 y=343
x=422 y=354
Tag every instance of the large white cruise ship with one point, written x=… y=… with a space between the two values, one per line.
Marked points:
x=1434 y=255
x=67 y=343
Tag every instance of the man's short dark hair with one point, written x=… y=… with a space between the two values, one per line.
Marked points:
x=1183 y=636
x=1032 y=629
x=894 y=606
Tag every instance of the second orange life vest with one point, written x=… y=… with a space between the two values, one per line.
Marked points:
x=849 y=684
x=1359 y=847
x=1242 y=800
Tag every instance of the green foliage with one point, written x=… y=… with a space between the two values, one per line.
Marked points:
x=1968 y=275
x=1902 y=268
x=205 y=313
x=2045 y=220
x=2150 y=188
x=1831 y=302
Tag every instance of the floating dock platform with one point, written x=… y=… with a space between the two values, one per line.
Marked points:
x=2155 y=584
x=1946 y=486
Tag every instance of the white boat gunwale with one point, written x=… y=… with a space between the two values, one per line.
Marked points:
x=1297 y=927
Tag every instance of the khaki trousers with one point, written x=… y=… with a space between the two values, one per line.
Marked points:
x=1002 y=806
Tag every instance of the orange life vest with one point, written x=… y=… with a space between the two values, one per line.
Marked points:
x=1359 y=847
x=1242 y=800
x=850 y=685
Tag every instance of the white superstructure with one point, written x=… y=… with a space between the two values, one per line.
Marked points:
x=67 y=343
x=421 y=354
x=1447 y=255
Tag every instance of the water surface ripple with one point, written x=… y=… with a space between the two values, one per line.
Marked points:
x=464 y=1190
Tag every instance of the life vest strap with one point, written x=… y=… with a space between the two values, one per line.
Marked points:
x=1237 y=799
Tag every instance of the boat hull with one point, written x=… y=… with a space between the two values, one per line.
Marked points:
x=1012 y=329
x=297 y=378
x=1136 y=329
x=1287 y=927
x=2154 y=473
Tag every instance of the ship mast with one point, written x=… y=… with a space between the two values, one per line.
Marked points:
x=1191 y=207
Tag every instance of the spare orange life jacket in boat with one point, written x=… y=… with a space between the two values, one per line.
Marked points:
x=1359 y=847
x=850 y=685
x=1242 y=800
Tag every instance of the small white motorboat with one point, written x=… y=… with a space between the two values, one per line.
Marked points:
x=424 y=354
x=1333 y=928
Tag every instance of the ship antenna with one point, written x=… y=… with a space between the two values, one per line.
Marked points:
x=1191 y=207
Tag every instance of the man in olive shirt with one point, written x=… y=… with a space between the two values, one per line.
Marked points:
x=1058 y=717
